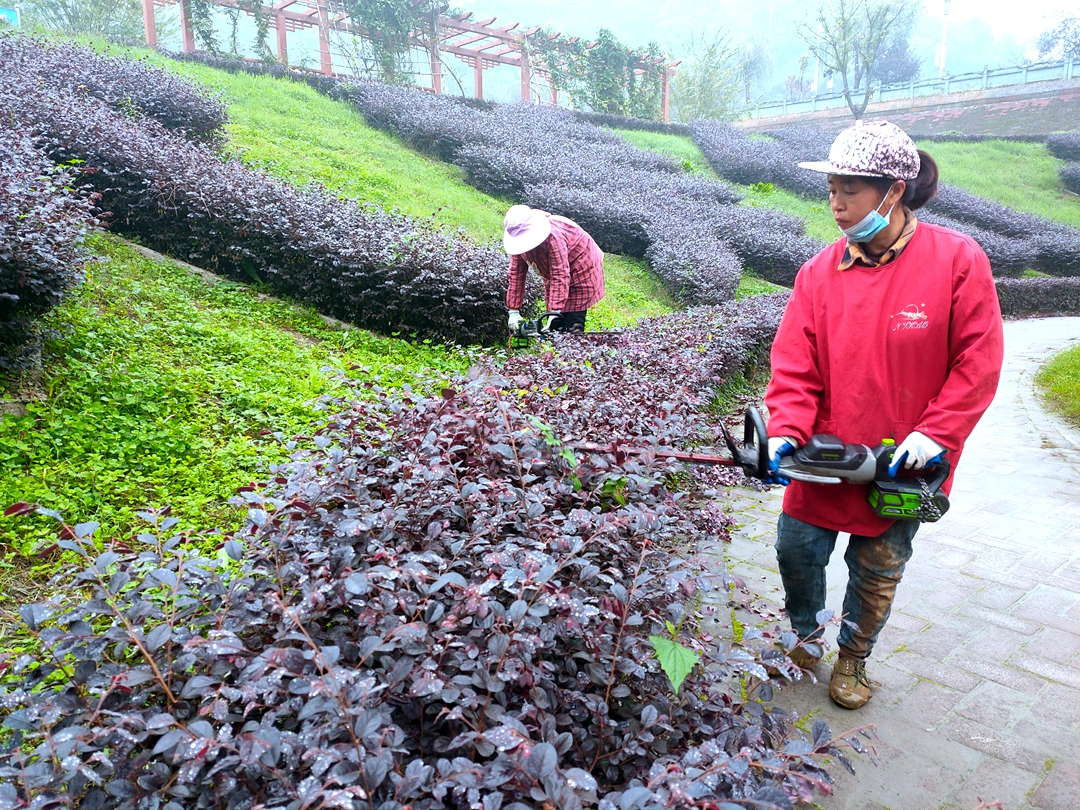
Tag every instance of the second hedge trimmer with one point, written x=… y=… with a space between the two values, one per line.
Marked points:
x=540 y=329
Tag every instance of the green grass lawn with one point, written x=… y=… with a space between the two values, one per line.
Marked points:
x=1021 y=175
x=162 y=389
x=1059 y=381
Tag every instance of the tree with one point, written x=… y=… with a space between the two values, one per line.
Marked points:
x=755 y=66
x=898 y=63
x=708 y=80
x=116 y=19
x=1063 y=40
x=850 y=37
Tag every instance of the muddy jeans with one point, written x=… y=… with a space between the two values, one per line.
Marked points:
x=875 y=566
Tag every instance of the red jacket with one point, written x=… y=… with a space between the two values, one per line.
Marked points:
x=571 y=264
x=873 y=353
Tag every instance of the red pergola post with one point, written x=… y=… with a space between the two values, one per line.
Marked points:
x=324 y=39
x=478 y=73
x=187 y=36
x=282 y=38
x=526 y=77
x=665 y=84
x=149 y=23
x=436 y=68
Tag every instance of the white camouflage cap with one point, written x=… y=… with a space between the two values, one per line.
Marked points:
x=871 y=149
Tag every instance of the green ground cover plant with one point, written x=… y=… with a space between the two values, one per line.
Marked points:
x=1059 y=381
x=160 y=388
x=1020 y=175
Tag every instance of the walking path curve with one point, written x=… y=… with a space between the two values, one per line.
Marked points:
x=979 y=665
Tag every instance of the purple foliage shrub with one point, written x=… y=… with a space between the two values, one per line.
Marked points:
x=440 y=605
x=628 y=122
x=1070 y=176
x=1024 y=297
x=1064 y=145
x=182 y=106
x=379 y=270
x=1013 y=241
x=43 y=219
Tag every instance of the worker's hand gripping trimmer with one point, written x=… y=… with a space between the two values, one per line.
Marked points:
x=826 y=459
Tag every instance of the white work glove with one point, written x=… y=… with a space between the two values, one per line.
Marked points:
x=514 y=321
x=916 y=452
x=779 y=446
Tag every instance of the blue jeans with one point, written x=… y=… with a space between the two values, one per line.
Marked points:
x=875 y=566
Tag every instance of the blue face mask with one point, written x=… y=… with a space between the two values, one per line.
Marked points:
x=869 y=226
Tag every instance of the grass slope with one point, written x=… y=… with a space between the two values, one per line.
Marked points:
x=162 y=389
x=290 y=131
x=1059 y=381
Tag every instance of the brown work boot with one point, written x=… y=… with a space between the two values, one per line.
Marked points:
x=803 y=659
x=849 y=686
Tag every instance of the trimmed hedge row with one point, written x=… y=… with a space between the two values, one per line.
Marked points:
x=1070 y=176
x=1064 y=145
x=379 y=270
x=1023 y=297
x=627 y=122
x=123 y=84
x=43 y=219
x=1014 y=241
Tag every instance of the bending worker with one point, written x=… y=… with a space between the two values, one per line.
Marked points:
x=567 y=258
x=891 y=332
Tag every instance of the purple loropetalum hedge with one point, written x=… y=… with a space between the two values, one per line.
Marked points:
x=377 y=269
x=125 y=84
x=1070 y=176
x=43 y=219
x=1024 y=297
x=1064 y=145
x=1014 y=241
x=441 y=604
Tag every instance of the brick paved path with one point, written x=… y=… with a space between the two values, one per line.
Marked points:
x=979 y=665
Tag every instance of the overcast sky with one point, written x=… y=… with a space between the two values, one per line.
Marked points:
x=1023 y=19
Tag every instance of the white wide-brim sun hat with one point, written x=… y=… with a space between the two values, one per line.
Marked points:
x=871 y=149
x=524 y=228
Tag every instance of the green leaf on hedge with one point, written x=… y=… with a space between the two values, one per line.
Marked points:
x=676 y=660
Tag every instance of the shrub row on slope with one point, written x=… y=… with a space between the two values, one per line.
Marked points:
x=632 y=201
x=1013 y=240
x=376 y=269
x=124 y=84
x=441 y=607
x=43 y=219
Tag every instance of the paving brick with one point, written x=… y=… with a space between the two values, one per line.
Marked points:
x=993 y=705
x=1009 y=676
x=1058 y=703
x=1009 y=621
x=1060 y=790
x=1044 y=561
x=1010 y=579
x=927 y=704
x=998 y=597
x=995 y=743
x=935 y=671
x=936 y=643
x=1055 y=645
x=1038 y=619
x=994 y=780
x=996 y=643
x=1069 y=676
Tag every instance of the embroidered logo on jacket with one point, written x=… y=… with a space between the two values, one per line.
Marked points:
x=910 y=317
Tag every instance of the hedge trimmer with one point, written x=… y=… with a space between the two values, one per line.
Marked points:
x=826 y=459
x=540 y=329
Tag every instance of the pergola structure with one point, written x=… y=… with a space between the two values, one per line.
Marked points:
x=478 y=43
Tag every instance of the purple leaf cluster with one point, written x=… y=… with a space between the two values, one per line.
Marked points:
x=601 y=119
x=441 y=604
x=766 y=159
x=377 y=269
x=124 y=84
x=43 y=219
x=1064 y=145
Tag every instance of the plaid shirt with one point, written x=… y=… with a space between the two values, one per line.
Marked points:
x=571 y=265
x=856 y=253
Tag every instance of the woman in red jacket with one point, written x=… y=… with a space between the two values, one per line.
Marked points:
x=891 y=332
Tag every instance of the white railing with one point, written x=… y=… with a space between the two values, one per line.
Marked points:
x=998 y=77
